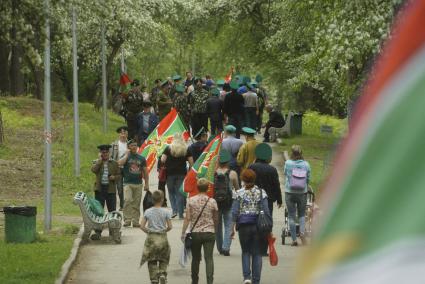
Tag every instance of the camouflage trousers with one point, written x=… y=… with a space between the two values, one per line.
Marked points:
x=156 y=253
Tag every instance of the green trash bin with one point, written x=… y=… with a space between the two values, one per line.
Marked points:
x=296 y=124
x=20 y=224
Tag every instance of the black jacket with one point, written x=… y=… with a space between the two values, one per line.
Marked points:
x=233 y=103
x=214 y=108
x=275 y=120
x=267 y=179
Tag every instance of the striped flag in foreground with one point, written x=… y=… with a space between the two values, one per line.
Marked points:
x=155 y=144
x=374 y=227
x=204 y=167
x=125 y=83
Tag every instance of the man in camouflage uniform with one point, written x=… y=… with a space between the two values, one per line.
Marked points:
x=164 y=102
x=181 y=104
x=198 y=103
x=154 y=94
x=133 y=105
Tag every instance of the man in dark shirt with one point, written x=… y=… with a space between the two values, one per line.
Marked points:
x=234 y=108
x=198 y=147
x=267 y=176
x=214 y=110
x=275 y=120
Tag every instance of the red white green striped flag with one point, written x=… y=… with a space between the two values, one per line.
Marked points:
x=204 y=167
x=373 y=230
x=161 y=136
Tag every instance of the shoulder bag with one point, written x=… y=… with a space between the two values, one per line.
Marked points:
x=188 y=238
x=264 y=221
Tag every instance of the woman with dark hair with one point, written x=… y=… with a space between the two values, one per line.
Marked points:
x=249 y=201
x=297 y=177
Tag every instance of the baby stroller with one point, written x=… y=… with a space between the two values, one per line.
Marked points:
x=310 y=208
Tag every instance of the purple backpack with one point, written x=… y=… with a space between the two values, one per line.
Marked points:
x=298 y=180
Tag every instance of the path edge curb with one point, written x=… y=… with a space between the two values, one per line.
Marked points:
x=66 y=267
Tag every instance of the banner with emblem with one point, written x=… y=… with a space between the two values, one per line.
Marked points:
x=161 y=136
x=204 y=167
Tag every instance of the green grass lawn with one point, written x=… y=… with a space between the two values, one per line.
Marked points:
x=318 y=148
x=21 y=181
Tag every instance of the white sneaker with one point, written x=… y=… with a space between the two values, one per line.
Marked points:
x=247 y=281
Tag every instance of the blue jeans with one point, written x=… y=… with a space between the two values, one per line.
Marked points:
x=296 y=203
x=250 y=241
x=176 y=199
x=224 y=219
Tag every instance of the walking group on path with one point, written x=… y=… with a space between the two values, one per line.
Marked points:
x=244 y=188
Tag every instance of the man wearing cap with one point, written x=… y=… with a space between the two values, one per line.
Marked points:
x=117 y=151
x=251 y=107
x=146 y=122
x=276 y=120
x=246 y=155
x=195 y=150
x=232 y=144
x=181 y=104
x=155 y=94
x=267 y=176
x=198 y=102
x=233 y=107
x=262 y=100
x=214 y=110
x=164 y=102
x=134 y=169
x=107 y=174
x=176 y=81
x=223 y=237
x=133 y=105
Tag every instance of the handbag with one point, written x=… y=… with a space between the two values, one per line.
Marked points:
x=264 y=221
x=162 y=176
x=188 y=238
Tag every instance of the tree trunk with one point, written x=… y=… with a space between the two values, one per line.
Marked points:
x=1 y=130
x=15 y=73
x=63 y=76
x=4 y=67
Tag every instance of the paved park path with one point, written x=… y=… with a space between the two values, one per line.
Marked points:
x=104 y=262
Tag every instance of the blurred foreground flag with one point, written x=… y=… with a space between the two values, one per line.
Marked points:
x=373 y=229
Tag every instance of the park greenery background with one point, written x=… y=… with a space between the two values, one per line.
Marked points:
x=314 y=57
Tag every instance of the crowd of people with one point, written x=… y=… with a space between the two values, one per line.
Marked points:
x=246 y=185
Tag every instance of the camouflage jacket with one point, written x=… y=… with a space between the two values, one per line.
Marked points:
x=181 y=104
x=164 y=105
x=198 y=101
x=134 y=101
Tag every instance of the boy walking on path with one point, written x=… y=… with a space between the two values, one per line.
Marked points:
x=134 y=167
x=157 y=249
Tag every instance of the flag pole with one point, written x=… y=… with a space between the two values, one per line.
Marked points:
x=105 y=115
x=47 y=127
x=75 y=94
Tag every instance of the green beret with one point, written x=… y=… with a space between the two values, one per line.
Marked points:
x=220 y=82
x=248 y=130
x=122 y=128
x=224 y=156
x=177 y=77
x=254 y=83
x=163 y=83
x=104 y=147
x=263 y=151
x=258 y=78
x=215 y=91
x=230 y=128
x=129 y=142
x=234 y=85
x=180 y=89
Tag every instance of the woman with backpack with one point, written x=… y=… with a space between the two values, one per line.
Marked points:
x=225 y=184
x=174 y=159
x=297 y=177
x=250 y=202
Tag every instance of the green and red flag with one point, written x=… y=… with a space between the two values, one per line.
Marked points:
x=373 y=226
x=204 y=167
x=161 y=136
x=125 y=83
x=228 y=77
